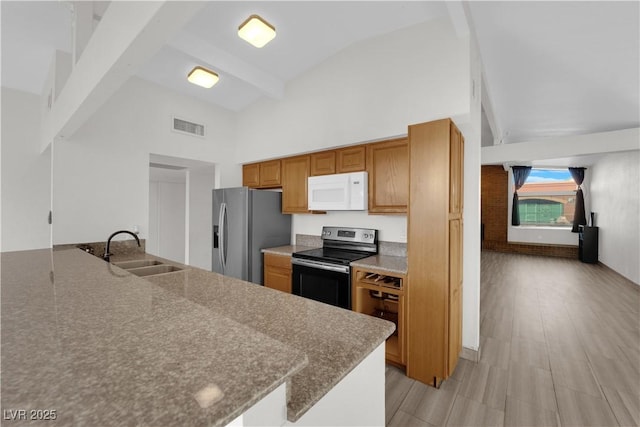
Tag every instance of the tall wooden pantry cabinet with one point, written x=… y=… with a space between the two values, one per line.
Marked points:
x=434 y=309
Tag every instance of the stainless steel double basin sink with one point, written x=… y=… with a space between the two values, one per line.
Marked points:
x=146 y=267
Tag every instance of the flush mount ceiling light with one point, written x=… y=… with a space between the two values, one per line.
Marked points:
x=202 y=77
x=256 y=31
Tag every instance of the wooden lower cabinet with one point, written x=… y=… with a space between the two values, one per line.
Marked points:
x=277 y=272
x=455 y=294
x=382 y=294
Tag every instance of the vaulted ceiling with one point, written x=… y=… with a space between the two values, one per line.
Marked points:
x=560 y=68
x=550 y=68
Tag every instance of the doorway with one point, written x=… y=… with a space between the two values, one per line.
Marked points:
x=167 y=212
x=180 y=205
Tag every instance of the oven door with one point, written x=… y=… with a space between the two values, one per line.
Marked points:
x=328 y=283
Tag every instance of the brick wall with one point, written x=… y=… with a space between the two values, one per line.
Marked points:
x=494 y=219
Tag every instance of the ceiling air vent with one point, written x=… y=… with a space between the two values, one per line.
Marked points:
x=184 y=126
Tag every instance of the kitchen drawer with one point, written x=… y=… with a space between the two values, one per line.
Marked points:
x=281 y=261
x=277 y=272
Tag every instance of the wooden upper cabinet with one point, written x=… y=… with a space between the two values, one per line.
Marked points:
x=351 y=159
x=262 y=175
x=388 y=169
x=456 y=167
x=295 y=171
x=323 y=163
x=251 y=175
x=270 y=174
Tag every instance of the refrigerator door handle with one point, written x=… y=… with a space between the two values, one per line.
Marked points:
x=222 y=237
x=225 y=243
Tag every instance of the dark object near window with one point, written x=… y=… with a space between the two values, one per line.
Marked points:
x=520 y=174
x=579 y=217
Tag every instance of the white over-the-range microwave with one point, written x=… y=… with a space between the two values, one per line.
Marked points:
x=339 y=192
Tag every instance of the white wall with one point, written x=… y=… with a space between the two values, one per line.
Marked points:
x=393 y=228
x=615 y=197
x=101 y=176
x=26 y=174
x=540 y=235
x=471 y=128
x=369 y=91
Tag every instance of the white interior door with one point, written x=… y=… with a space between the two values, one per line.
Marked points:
x=167 y=215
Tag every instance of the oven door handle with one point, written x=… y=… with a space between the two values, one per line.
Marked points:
x=345 y=269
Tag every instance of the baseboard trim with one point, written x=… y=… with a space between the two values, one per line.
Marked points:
x=470 y=354
x=622 y=276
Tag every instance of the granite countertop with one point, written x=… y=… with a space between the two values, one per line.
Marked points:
x=286 y=250
x=386 y=263
x=105 y=347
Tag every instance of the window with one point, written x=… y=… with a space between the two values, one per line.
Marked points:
x=547 y=198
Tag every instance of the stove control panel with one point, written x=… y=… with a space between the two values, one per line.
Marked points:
x=350 y=234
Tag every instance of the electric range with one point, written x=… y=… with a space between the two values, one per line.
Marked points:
x=323 y=274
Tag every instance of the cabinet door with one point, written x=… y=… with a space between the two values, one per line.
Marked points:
x=388 y=168
x=351 y=159
x=428 y=252
x=251 y=175
x=277 y=272
x=455 y=294
x=456 y=168
x=323 y=163
x=295 y=171
x=270 y=174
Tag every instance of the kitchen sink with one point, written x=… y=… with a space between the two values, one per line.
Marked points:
x=153 y=269
x=137 y=263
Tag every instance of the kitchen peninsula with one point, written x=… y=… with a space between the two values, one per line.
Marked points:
x=100 y=346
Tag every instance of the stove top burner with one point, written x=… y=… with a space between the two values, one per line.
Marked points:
x=342 y=245
x=332 y=255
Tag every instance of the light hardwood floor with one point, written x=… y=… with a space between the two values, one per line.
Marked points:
x=560 y=345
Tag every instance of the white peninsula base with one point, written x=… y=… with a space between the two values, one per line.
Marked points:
x=357 y=400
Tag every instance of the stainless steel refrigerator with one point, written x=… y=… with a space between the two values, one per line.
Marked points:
x=244 y=222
